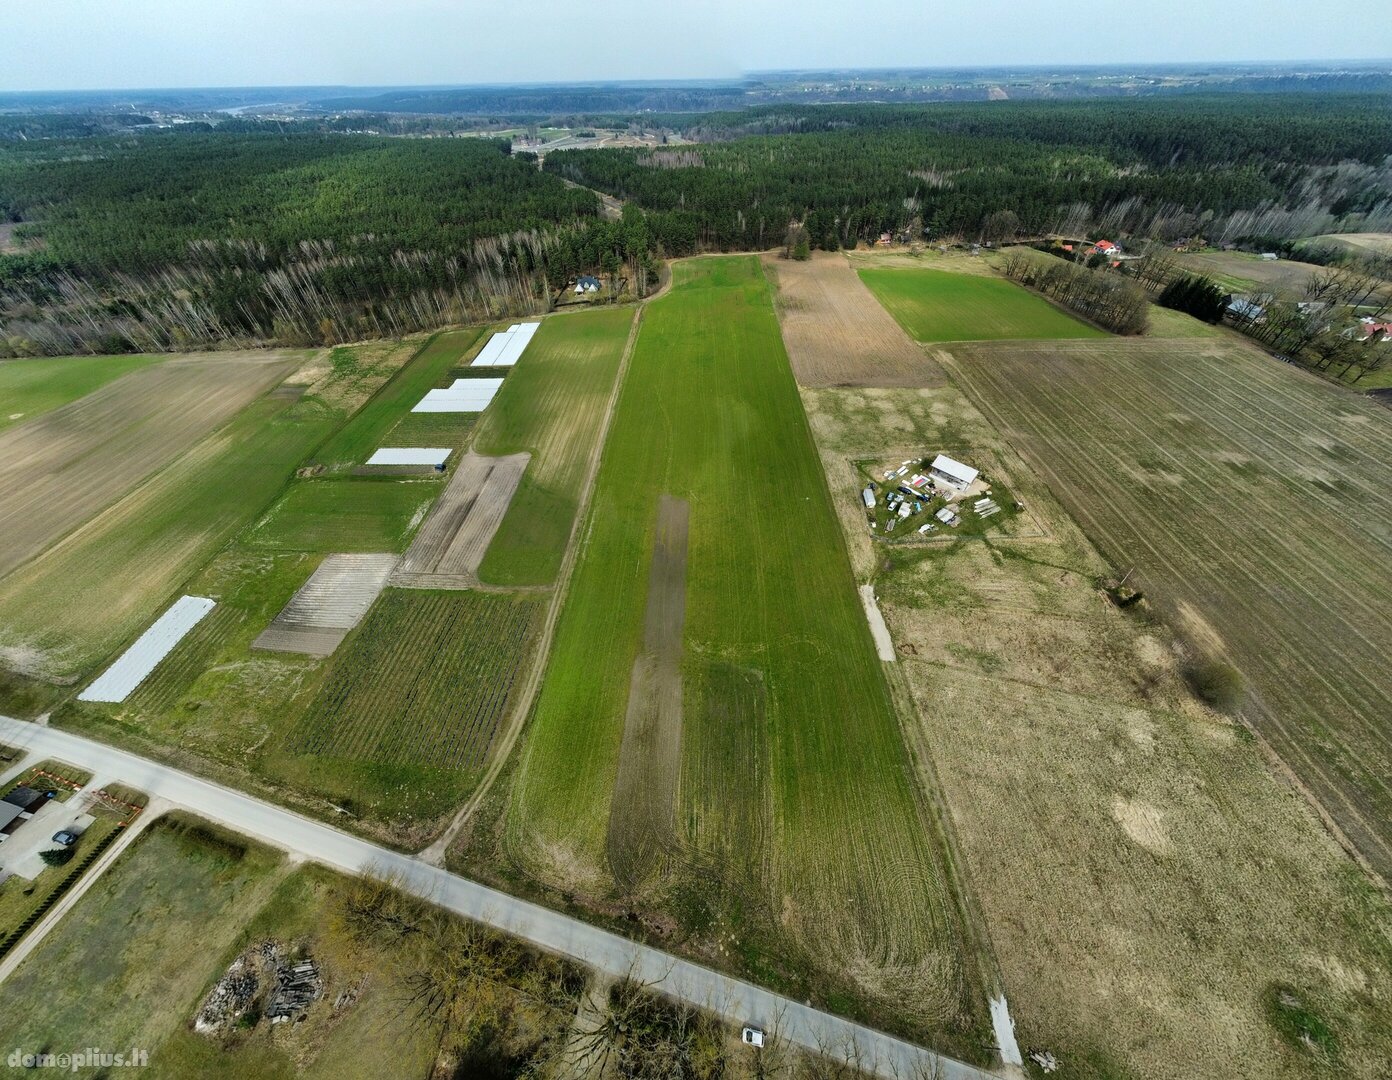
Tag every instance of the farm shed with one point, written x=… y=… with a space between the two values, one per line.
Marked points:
x=587 y=284
x=1245 y=309
x=953 y=471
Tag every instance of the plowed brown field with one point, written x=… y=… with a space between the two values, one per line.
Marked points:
x=836 y=332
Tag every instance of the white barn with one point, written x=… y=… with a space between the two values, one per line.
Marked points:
x=953 y=472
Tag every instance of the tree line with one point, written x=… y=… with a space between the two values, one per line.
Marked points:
x=1153 y=166
x=183 y=239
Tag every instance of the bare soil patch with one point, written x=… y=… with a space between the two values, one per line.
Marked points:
x=838 y=334
x=642 y=816
x=68 y=465
x=327 y=606
x=450 y=545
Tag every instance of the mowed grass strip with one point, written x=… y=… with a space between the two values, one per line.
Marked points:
x=551 y=405
x=709 y=413
x=1252 y=502
x=937 y=305
x=419 y=690
x=31 y=387
x=369 y=428
x=345 y=515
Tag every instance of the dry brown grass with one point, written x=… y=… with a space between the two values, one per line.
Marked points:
x=66 y=466
x=836 y=332
x=1251 y=499
x=1143 y=876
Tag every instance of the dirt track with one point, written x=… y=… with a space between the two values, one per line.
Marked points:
x=450 y=545
x=642 y=823
x=838 y=334
x=64 y=467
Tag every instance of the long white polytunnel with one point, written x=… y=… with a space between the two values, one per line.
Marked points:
x=411 y=455
x=134 y=665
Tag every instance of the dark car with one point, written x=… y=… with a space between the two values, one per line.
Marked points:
x=65 y=837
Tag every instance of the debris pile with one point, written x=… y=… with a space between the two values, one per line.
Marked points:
x=229 y=998
x=289 y=987
x=297 y=987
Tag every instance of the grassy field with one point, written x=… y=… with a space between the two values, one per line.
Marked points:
x=377 y=423
x=29 y=388
x=1380 y=243
x=158 y=930
x=552 y=405
x=1250 y=499
x=101 y=585
x=936 y=305
x=1145 y=880
x=407 y=712
x=1245 y=272
x=803 y=845
x=358 y=514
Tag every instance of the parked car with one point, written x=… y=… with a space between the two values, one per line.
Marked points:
x=753 y=1036
x=65 y=837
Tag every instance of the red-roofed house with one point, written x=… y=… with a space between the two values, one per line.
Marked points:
x=1106 y=247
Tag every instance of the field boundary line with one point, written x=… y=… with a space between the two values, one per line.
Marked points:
x=531 y=683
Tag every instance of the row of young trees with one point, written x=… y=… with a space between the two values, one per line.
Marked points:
x=1109 y=300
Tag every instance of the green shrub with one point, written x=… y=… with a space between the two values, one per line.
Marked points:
x=58 y=856
x=1218 y=684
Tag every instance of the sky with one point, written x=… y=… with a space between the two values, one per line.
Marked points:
x=119 y=44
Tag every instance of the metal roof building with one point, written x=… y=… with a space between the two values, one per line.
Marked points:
x=953 y=471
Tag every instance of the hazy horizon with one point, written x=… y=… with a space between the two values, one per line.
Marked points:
x=76 y=45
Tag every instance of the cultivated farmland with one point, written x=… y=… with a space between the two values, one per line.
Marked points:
x=813 y=851
x=938 y=305
x=410 y=704
x=1147 y=883
x=29 y=388
x=450 y=545
x=386 y=420
x=552 y=406
x=66 y=466
x=104 y=582
x=345 y=515
x=837 y=333
x=1252 y=501
x=1240 y=271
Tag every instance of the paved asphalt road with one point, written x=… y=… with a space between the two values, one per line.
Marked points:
x=739 y=1002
